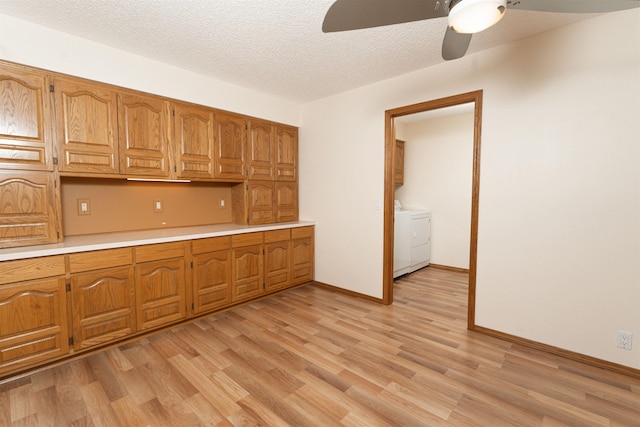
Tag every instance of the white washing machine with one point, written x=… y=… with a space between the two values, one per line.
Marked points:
x=412 y=241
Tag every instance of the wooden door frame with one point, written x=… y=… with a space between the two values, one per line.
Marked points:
x=389 y=189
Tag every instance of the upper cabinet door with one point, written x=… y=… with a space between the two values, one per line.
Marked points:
x=287 y=153
x=194 y=138
x=261 y=150
x=230 y=146
x=25 y=119
x=143 y=135
x=86 y=127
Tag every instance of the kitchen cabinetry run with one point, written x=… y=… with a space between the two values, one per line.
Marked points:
x=33 y=312
x=53 y=307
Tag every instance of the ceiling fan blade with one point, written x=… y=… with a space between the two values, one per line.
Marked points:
x=573 y=6
x=344 y=15
x=455 y=45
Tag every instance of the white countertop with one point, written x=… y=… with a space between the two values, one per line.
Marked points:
x=94 y=242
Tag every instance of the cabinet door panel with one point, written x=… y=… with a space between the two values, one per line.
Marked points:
x=33 y=323
x=142 y=134
x=194 y=139
x=277 y=266
x=25 y=121
x=261 y=150
x=302 y=260
x=230 y=146
x=261 y=202
x=160 y=293
x=286 y=201
x=86 y=127
x=211 y=281
x=287 y=153
x=247 y=273
x=28 y=209
x=103 y=306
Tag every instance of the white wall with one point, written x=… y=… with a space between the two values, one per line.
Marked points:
x=37 y=46
x=559 y=233
x=437 y=176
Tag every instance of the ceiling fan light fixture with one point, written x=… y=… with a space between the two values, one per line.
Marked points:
x=473 y=16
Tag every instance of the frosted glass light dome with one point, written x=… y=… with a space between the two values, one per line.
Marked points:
x=473 y=16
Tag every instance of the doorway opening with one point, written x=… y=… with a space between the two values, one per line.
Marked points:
x=389 y=188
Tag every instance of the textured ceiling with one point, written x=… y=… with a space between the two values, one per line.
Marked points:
x=272 y=46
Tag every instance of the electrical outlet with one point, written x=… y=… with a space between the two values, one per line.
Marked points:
x=221 y=204
x=624 y=340
x=84 y=207
x=157 y=206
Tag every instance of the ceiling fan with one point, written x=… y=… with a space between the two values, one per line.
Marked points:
x=466 y=17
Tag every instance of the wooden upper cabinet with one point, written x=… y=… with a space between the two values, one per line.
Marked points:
x=28 y=208
x=229 y=155
x=194 y=136
x=398 y=167
x=261 y=150
x=86 y=117
x=25 y=119
x=286 y=160
x=286 y=201
x=143 y=135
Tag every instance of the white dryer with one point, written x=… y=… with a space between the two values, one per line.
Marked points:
x=412 y=241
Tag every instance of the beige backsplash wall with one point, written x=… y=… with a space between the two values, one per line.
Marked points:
x=119 y=205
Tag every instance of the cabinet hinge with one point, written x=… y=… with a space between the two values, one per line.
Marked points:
x=70 y=340
x=174 y=112
x=51 y=88
x=58 y=235
x=191 y=264
x=68 y=287
x=175 y=168
x=55 y=161
x=193 y=306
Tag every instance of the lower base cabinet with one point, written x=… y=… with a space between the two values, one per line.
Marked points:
x=102 y=297
x=33 y=313
x=53 y=306
x=160 y=284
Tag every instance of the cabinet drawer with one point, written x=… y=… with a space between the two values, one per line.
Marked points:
x=277 y=235
x=212 y=244
x=249 y=239
x=28 y=269
x=297 y=233
x=95 y=260
x=159 y=251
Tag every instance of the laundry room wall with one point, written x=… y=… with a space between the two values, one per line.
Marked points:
x=438 y=170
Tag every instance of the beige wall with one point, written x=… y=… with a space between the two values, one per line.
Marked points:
x=437 y=176
x=559 y=235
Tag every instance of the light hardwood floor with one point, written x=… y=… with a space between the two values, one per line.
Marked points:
x=313 y=357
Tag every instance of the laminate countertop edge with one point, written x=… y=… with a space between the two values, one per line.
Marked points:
x=96 y=242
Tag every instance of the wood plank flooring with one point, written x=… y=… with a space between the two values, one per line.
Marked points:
x=313 y=357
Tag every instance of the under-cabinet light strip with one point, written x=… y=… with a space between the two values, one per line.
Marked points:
x=158 y=180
